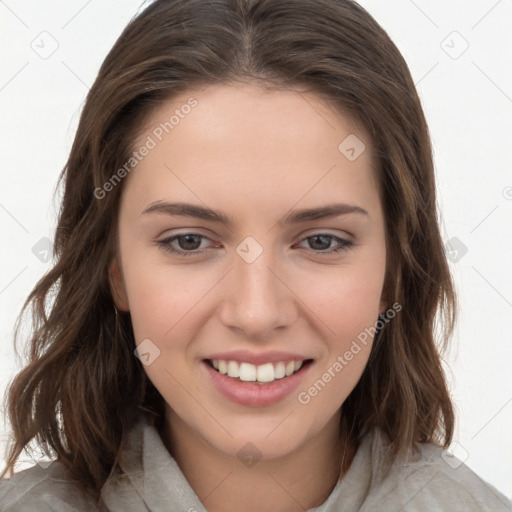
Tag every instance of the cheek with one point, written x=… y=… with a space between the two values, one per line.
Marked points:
x=161 y=296
x=349 y=312
x=346 y=299
x=163 y=307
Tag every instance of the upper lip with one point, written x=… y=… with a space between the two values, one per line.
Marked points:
x=244 y=356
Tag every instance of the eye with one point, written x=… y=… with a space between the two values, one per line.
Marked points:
x=321 y=243
x=188 y=244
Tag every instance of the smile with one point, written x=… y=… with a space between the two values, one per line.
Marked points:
x=247 y=372
x=265 y=384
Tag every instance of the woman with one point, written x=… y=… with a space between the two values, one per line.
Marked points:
x=248 y=270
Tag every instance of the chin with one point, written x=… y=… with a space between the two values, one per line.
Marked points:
x=251 y=448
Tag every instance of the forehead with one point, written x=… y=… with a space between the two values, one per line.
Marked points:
x=284 y=145
x=221 y=111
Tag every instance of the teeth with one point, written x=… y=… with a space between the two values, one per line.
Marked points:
x=266 y=373
x=247 y=372
x=279 y=371
x=233 y=369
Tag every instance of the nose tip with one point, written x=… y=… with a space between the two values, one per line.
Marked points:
x=256 y=300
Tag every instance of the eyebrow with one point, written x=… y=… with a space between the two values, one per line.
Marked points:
x=293 y=217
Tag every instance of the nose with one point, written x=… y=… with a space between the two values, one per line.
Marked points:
x=257 y=299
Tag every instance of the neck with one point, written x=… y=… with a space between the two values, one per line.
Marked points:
x=295 y=482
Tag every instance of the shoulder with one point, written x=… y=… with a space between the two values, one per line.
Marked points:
x=431 y=479
x=43 y=489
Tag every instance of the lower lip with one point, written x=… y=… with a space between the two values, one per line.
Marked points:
x=256 y=395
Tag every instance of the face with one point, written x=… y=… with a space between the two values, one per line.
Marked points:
x=229 y=262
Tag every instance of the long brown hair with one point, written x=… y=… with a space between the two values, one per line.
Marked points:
x=82 y=386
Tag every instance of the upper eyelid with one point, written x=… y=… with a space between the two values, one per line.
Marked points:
x=314 y=232
x=172 y=238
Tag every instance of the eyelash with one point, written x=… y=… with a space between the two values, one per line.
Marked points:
x=166 y=244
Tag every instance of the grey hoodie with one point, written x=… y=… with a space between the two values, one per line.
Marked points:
x=149 y=479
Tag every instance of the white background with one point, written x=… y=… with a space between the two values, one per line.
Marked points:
x=467 y=98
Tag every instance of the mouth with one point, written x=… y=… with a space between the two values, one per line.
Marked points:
x=256 y=385
x=262 y=374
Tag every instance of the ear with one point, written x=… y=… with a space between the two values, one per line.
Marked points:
x=117 y=287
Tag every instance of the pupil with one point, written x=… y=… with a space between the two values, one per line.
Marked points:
x=326 y=245
x=189 y=240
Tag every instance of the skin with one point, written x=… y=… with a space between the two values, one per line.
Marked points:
x=256 y=155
